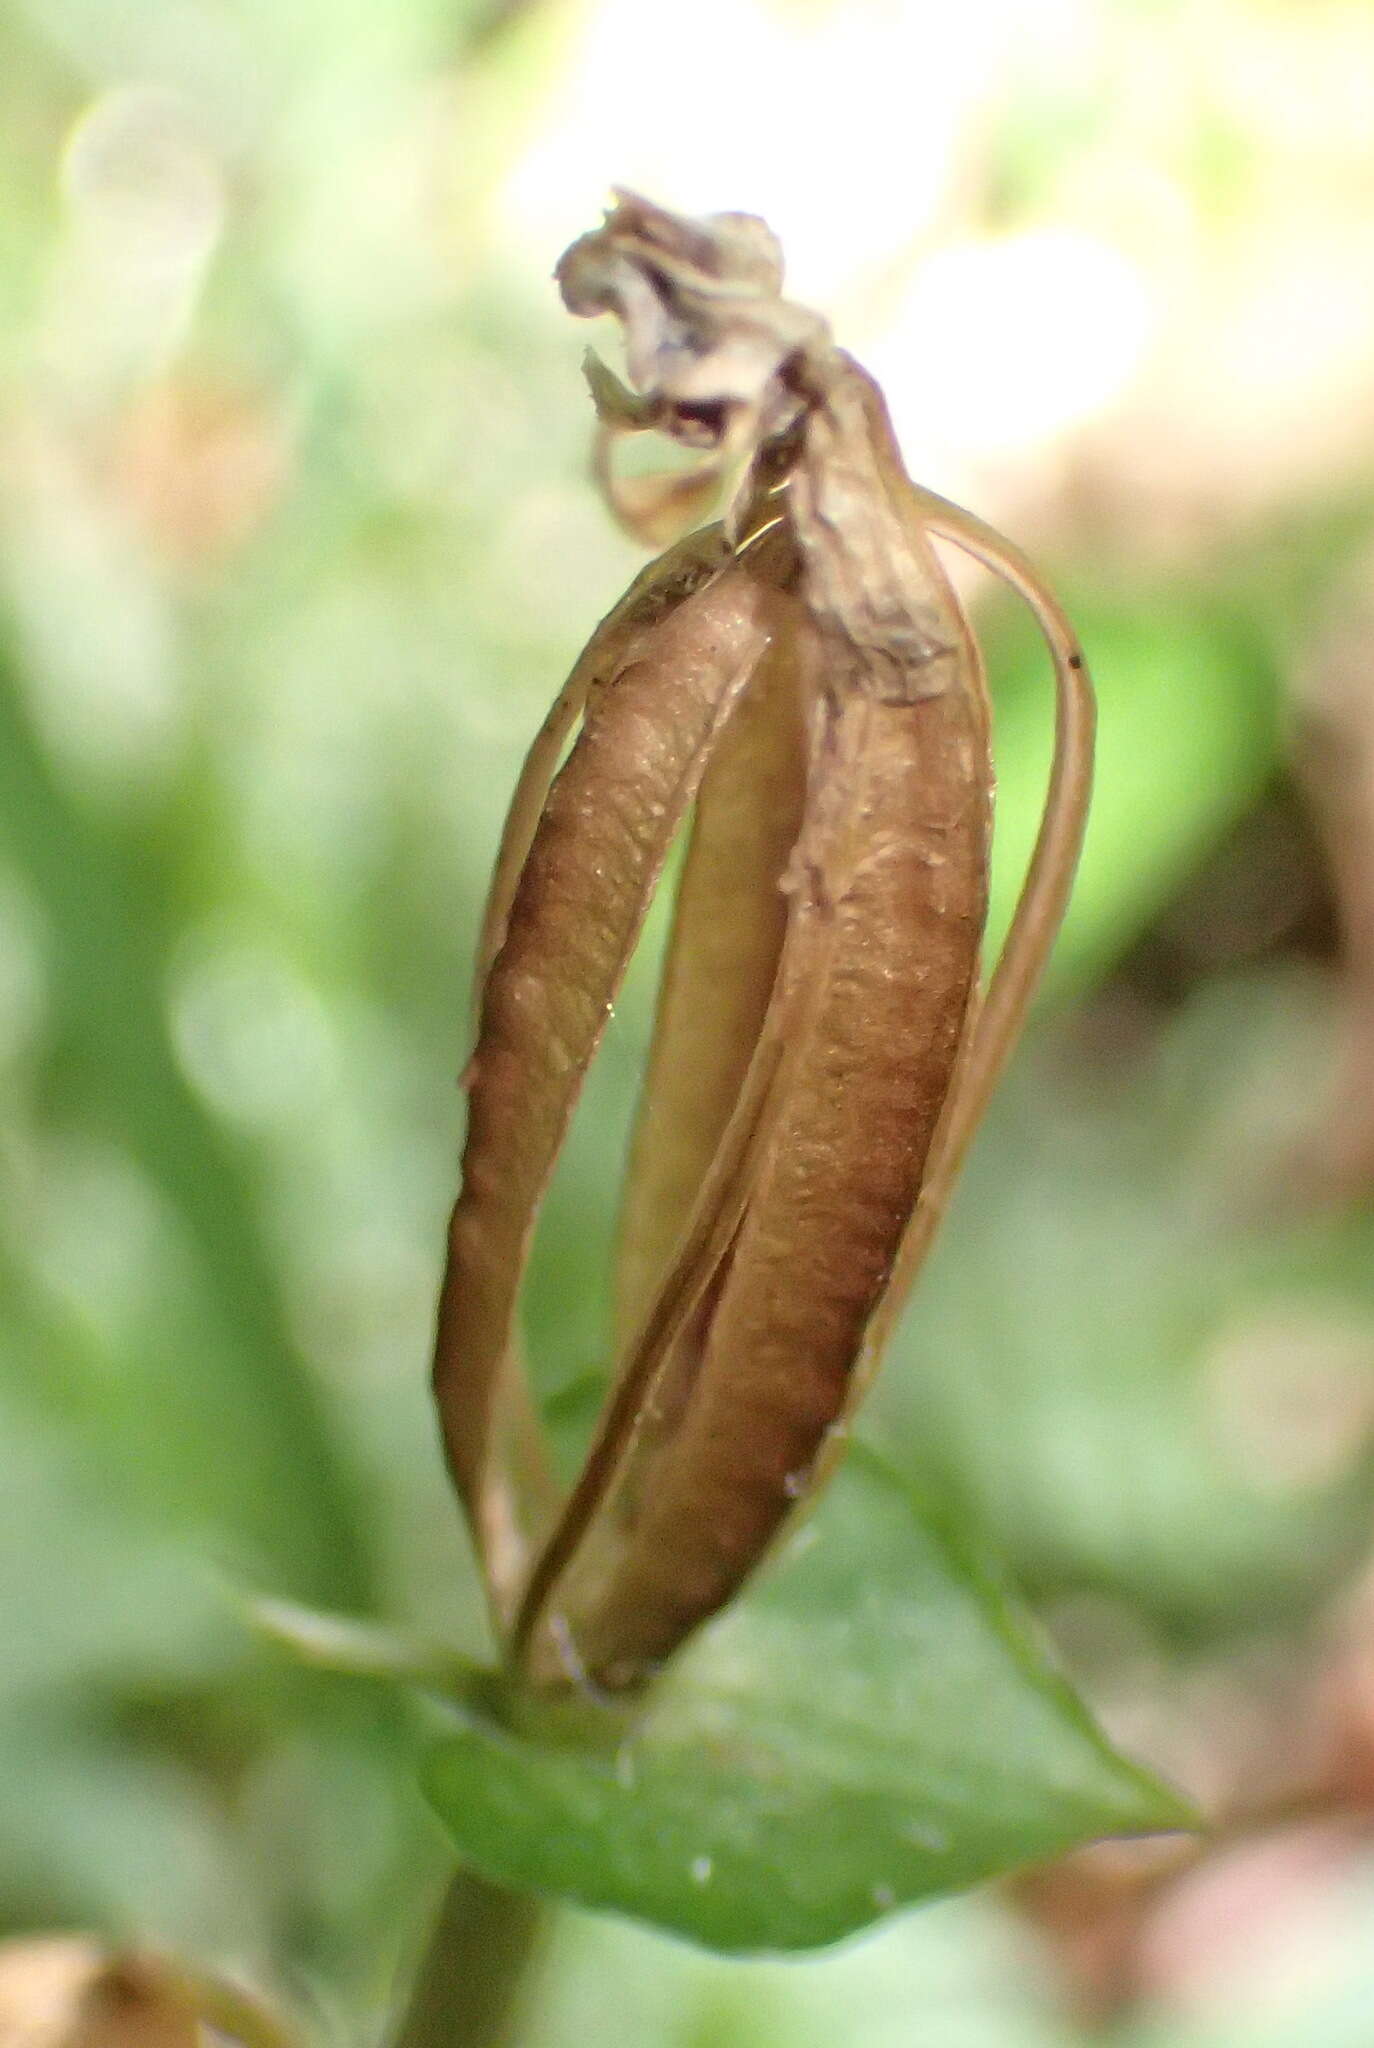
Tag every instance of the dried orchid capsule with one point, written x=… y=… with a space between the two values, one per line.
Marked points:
x=804 y=681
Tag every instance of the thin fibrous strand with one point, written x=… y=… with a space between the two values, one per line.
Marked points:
x=573 y=919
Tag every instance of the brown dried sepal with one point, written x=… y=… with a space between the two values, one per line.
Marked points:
x=813 y=689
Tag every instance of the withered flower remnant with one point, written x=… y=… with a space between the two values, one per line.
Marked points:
x=800 y=682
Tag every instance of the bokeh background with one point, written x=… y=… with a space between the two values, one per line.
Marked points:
x=296 y=541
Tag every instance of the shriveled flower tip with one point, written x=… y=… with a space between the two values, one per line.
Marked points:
x=706 y=327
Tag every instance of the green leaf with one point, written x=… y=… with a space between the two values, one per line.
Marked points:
x=866 y=1727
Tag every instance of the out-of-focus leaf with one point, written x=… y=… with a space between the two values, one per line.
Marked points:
x=134 y=1607
x=1125 y=1307
x=956 y=1973
x=90 y=1828
x=228 y=1417
x=864 y=1728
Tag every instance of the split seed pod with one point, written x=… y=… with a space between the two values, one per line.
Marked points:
x=800 y=684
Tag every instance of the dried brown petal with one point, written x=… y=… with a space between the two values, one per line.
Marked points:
x=576 y=912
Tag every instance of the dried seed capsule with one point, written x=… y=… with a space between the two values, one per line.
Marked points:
x=806 y=674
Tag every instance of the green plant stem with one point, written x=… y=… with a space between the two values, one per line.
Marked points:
x=466 y=1992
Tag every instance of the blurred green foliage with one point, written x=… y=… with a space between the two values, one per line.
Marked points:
x=865 y=1726
x=294 y=546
